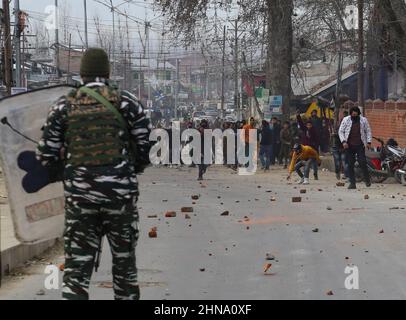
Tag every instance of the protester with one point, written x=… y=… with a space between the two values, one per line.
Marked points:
x=325 y=137
x=286 y=144
x=310 y=135
x=204 y=125
x=316 y=122
x=246 y=136
x=304 y=156
x=355 y=135
x=339 y=156
x=276 y=140
x=265 y=150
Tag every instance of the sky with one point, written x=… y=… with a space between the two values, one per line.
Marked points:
x=139 y=10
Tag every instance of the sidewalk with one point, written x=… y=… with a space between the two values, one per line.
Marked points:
x=13 y=253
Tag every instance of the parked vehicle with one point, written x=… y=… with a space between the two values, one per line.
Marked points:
x=388 y=161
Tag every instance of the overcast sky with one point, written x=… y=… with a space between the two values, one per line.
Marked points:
x=140 y=10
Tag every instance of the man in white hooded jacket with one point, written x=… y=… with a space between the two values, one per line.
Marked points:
x=355 y=135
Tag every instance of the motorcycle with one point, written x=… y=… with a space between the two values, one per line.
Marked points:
x=388 y=161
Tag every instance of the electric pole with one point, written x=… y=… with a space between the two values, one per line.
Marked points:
x=114 y=40
x=236 y=89
x=58 y=65
x=361 y=73
x=86 y=34
x=223 y=73
x=17 y=42
x=177 y=88
x=338 y=85
x=8 y=74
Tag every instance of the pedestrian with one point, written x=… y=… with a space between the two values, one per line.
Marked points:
x=355 y=135
x=304 y=156
x=325 y=137
x=286 y=144
x=316 y=122
x=339 y=156
x=250 y=125
x=101 y=136
x=310 y=135
x=265 y=149
x=276 y=143
x=202 y=167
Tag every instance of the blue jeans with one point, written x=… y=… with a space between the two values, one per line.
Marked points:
x=340 y=161
x=306 y=164
x=265 y=155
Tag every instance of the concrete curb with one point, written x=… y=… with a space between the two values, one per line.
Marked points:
x=16 y=256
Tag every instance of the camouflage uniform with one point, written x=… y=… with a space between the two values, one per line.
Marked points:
x=101 y=188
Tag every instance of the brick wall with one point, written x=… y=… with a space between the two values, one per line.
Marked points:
x=387 y=119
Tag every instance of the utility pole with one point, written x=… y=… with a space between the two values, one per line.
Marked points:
x=396 y=73
x=140 y=81
x=69 y=55
x=361 y=73
x=130 y=79
x=86 y=34
x=338 y=85
x=17 y=42
x=8 y=74
x=114 y=40
x=236 y=89
x=58 y=64
x=223 y=73
x=177 y=88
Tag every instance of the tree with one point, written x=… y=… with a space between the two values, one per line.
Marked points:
x=184 y=15
x=390 y=25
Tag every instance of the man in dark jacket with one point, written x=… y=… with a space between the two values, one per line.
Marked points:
x=204 y=125
x=276 y=140
x=317 y=123
x=310 y=135
x=265 y=149
x=286 y=144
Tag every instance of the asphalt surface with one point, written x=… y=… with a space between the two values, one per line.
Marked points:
x=211 y=256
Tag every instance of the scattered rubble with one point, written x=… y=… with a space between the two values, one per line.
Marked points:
x=40 y=292
x=297 y=199
x=152 y=216
x=195 y=197
x=366 y=197
x=187 y=216
x=153 y=233
x=170 y=214
x=225 y=213
x=267 y=267
x=269 y=256
x=330 y=293
x=303 y=191
x=340 y=184
x=316 y=230
x=187 y=209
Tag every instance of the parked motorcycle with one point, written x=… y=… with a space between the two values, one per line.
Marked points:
x=388 y=161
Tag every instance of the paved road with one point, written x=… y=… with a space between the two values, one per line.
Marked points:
x=222 y=257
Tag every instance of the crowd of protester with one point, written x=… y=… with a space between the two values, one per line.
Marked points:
x=294 y=144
